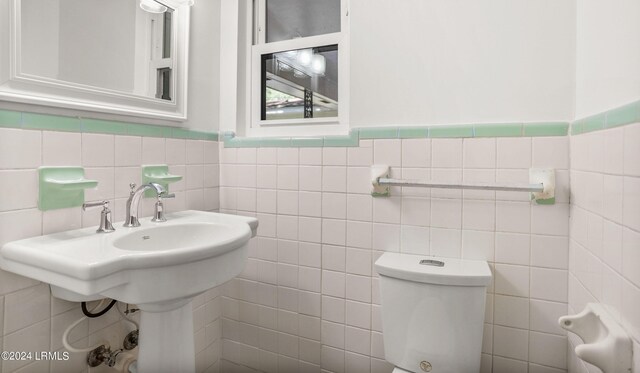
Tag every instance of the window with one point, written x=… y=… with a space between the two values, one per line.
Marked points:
x=299 y=63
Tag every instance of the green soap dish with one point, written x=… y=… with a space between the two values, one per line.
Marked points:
x=158 y=174
x=62 y=187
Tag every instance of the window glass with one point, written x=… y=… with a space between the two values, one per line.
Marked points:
x=300 y=84
x=290 y=19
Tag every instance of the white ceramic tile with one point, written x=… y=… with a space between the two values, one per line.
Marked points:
x=288 y=177
x=359 y=207
x=550 y=251
x=61 y=148
x=60 y=220
x=18 y=224
x=358 y=261
x=18 y=189
x=631 y=208
x=358 y=314
x=97 y=150
x=614 y=151
x=361 y=155
x=549 y=284
x=332 y=359
x=478 y=245
x=123 y=176
x=446 y=153
x=386 y=237
x=266 y=176
x=544 y=316
x=446 y=213
x=334 y=156
x=310 y=203
x=631 y=255
x=513 y=217
x=548 y=349
x=511 y=342
x=388 y=152
x=333 y=258
x=20 y=148
x=446 y=175
x=416 y=153
x=479 y=153
x=334 y=179
x=287 y=156
x=479 y=176
x=106 y=183
x=512 y=280
x=357 y=340
x=246 y=199
x=358 y=288
x=33 y=338
x=504 y=365
x=514 y=152
x=128 y=151
x=176 y=152
x=416 y=211
x=195 y=152
x=334 y=205
x=387 y=210
x=414 y=240
x=551 y=152
x=511 y=311
x=613 y=192
x=446 y=243
x=333 y=283
x=595 y=144
x=415 y=174
x=267 y=156
x=358 y=180
x=512 y=248
x=310 y=156
x=479 y=215
x=631 y=150
x=153 y=150
x=26 y=307
x=333 y=231
x=359 y=234
x=309 y=229
x=311 y=178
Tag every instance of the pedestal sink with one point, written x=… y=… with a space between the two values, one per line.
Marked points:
x=159 y=267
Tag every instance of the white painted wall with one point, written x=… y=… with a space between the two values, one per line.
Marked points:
x=39 y=36
x=608 y=55
x=457 y=61
x=204 y=66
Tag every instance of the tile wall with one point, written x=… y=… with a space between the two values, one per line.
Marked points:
x=604 y=264
x=30 y=319
x=308 y=300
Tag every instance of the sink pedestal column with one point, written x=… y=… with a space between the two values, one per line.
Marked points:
x=166 y=338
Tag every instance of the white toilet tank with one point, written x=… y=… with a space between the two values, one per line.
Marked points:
x=432 y=312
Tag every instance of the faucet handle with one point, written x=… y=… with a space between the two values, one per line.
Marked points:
x=105 y=216
x=104 y=204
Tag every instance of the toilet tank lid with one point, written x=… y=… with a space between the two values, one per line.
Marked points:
x=434 y=270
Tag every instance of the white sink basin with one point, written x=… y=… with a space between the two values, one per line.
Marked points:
x=158 y=266
x=192 y=252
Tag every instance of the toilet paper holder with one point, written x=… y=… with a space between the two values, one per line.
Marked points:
x=606 y=344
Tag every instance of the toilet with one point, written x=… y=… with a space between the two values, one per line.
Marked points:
x=432 y=312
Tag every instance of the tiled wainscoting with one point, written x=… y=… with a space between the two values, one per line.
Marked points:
x=605 y=228
x=308 y=300
x=30 y=319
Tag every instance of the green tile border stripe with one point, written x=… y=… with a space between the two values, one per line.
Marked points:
x=616 y=117
x=47 y=122
x=375 y=133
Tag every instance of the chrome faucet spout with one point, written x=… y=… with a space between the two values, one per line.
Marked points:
x=131 y=219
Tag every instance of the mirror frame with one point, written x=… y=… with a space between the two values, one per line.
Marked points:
x=16 y=86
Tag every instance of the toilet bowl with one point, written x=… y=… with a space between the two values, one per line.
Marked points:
x=432 y=312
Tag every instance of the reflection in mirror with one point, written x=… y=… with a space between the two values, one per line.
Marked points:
x=113 y=45
x=300 y=83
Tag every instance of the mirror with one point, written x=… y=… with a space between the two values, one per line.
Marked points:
x=101 y=55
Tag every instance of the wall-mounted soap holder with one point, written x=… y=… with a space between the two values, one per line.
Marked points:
x=606 y=344
x=158 y=174
x=62 y=187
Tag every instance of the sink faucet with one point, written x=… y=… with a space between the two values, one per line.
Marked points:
x=134 y=200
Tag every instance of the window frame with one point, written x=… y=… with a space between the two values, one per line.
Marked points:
x=309 y=126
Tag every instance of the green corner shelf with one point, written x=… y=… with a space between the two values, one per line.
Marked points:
x=158 y=174
x=62 y=187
